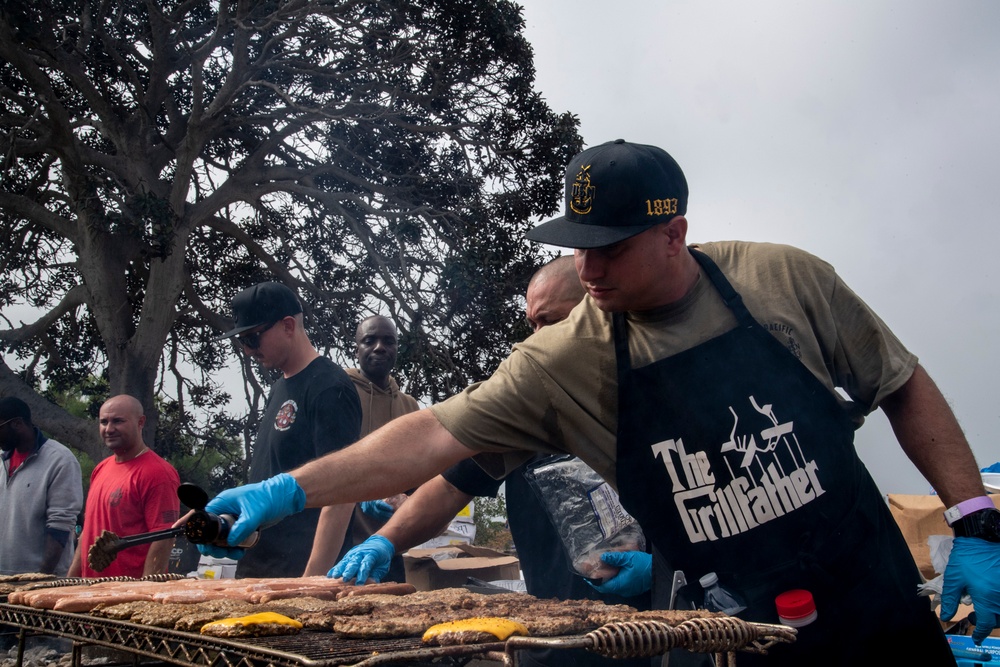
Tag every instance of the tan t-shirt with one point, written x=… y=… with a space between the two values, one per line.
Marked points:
x=558 y=390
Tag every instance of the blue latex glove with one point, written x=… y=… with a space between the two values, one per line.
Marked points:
x=378 y=509
x=634 y=577
x=254 y=506
x=973 y=568
x=368 y=560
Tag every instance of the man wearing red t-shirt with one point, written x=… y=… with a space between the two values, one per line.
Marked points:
x=133 y=491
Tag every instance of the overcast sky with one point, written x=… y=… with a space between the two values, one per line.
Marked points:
x=866 y=132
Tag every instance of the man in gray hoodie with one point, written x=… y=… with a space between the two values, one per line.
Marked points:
x=41 y=496
x=381 y=402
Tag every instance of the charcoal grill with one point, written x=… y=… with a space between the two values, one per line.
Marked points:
x=307 y=649
x=721 y=636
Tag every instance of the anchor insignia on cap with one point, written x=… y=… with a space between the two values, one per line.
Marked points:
x=582 y=199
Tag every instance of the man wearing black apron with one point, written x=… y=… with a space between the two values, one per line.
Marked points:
x=732 y=455
x=819 y=523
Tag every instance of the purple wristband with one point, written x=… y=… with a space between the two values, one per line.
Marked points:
x=966 y=507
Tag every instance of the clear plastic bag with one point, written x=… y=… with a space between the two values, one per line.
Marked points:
x=585 y=512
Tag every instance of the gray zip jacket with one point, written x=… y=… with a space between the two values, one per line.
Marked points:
x=43 y=497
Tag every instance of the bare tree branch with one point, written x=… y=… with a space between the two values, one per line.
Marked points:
x=159 y=157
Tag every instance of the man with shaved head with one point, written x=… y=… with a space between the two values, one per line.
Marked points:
x=132 y=491
x=553 y=291
x=381 y=402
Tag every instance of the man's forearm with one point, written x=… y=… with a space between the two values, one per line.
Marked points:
x=401 y=455
x=76 y=567
x=930 y=435
x=157 y=558
x=425 y=514
x=329 y=538
x=53 y=553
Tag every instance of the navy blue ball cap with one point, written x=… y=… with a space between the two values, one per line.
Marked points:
x=264 y=303
x=12 y=407
x=613 y=192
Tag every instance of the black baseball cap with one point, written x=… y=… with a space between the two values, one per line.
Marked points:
x=12 y=407
x=264 y=303
x=613 y=192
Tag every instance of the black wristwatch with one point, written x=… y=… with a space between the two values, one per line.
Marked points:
x=984 y=524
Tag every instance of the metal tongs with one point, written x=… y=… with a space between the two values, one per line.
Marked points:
x=105 y=548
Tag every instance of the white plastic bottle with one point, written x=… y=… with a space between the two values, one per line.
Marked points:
x=718 y=598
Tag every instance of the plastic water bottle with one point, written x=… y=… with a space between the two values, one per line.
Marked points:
x=796 y=608
x=718 y=598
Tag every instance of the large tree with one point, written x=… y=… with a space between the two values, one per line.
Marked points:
x=159 y=156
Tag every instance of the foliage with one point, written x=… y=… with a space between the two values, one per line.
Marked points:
x=212 y=465
x=210 y=458
x=490 y=517
x=379 y=156
x=79 y=402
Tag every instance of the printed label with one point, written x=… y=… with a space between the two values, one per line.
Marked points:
x=765 y=475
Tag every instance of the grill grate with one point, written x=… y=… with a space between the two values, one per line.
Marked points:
x=307 y=649
x=722 y=636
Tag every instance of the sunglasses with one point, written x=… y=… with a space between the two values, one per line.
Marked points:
x=252 y=339
x=8 y=421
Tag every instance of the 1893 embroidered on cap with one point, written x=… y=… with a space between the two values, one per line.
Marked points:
x=613 y=192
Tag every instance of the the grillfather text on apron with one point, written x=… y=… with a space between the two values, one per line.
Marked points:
x=755 y=477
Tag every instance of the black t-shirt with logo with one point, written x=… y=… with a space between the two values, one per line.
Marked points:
x=312 y=413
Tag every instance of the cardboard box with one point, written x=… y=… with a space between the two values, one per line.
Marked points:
x=918 y=518
x=451 y=567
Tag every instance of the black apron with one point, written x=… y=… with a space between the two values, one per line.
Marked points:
x=735 y=459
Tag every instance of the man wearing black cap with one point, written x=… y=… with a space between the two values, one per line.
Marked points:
x=701 y=382
x=312 y=409
x=41 y=495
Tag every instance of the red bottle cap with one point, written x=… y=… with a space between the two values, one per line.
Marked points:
x=795 y=604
